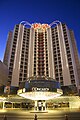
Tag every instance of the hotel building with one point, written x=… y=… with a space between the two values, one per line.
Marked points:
x=42 y=50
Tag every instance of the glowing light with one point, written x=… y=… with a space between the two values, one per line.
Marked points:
x=2 y=99
x=40 y=26
x=40 y=95
x=19 y=91
x=24 y=89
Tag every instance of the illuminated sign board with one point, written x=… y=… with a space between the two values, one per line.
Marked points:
x=39 y=26
x=40 y=89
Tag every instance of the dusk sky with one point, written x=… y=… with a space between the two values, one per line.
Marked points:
x=41 y=11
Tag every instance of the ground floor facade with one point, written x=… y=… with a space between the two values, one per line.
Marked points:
x=60 y=102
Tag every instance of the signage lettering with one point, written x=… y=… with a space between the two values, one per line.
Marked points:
x=40 y=89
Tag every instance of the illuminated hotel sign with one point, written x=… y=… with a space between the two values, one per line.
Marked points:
x=39 y=26
x=40 y=89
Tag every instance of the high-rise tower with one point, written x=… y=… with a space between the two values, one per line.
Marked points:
x=8 y=49
x=43 y=50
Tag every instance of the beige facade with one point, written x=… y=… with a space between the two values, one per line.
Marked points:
x=76 y=56
x=8 y=49
x=3 y=74
x=64 y=76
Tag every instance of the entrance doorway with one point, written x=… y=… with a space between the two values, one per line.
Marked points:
x=40 y=105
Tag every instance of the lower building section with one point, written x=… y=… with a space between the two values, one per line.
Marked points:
x=40 y=89
x=62 y=102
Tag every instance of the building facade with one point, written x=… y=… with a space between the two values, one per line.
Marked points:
x=3 y=74
x=7 y=50
x=43 y=50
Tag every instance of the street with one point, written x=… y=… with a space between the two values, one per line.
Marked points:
x=49 y=115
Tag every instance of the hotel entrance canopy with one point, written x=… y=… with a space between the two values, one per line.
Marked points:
x=40 y=89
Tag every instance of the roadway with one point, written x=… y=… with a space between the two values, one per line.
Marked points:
x=29 y=115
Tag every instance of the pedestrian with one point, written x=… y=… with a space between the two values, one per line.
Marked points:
x=66 y=117
x=5 y=118
x=35 y=117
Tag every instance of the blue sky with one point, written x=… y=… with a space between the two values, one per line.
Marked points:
x=43 y=11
